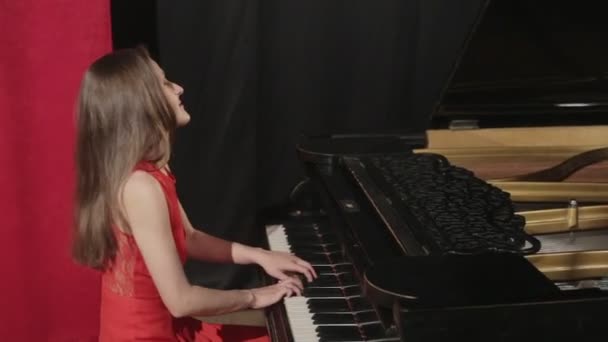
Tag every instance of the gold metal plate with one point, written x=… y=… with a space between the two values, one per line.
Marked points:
x=572 y=266
x=557 y=220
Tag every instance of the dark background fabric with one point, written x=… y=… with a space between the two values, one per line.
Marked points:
x=260 y=75
x=210 y=48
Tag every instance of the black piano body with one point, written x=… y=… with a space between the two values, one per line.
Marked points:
x=527 y=257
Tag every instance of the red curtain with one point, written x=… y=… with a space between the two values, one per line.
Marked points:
x=45 y=45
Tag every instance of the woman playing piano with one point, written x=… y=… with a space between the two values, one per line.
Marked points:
x=129 y=221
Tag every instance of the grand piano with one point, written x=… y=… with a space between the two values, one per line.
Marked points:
x=489 y=225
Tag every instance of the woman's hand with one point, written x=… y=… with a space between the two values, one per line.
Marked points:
x=268 y=295
x=281 y=265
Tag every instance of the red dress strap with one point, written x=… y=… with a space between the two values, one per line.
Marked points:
x=152 y=168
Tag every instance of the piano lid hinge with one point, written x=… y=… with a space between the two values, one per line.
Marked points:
x=458 y=125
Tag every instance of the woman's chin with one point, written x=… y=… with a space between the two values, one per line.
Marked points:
x=183 y=119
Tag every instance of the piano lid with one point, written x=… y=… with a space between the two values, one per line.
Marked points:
x=518 y=62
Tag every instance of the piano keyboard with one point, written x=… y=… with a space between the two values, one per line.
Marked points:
x=331 y=308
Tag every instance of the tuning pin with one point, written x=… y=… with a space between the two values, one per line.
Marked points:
x=572 y=218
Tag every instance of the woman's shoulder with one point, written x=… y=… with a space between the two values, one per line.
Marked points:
x=144 y=202
x=141 y=186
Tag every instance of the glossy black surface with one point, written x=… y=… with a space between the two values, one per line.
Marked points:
x=450 y=281
x=494 y=297
x=537 y=62
x=326 y=150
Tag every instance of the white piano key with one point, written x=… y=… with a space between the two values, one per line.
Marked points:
x=300 y=319
x=298 y=314
x=277 y=239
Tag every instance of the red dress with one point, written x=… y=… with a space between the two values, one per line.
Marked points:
x=131 y=307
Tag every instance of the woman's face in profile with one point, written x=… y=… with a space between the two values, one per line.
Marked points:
x=173 y=92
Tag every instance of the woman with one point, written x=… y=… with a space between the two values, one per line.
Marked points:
x=129 y=222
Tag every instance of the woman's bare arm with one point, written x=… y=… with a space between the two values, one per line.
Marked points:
x=206 y=247
x=203 y=246
x=147 y=212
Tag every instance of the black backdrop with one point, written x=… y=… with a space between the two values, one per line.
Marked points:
x=259 y=74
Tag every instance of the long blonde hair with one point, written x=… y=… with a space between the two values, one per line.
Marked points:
x=123 y=118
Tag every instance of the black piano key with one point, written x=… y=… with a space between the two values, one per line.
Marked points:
x=359 y=304
x=342 y=339
x=310 y=233
x=373 y=331
x=325 y=281
x=346 y=318
x=328 y=276
x=341 y=327
x=334 y=319
x=316 y=226
x=314 y=244
x=352 y=291
x=324 y=269
x=328 y=305
x=330 y=258
x=356 y=304
x=339 y=333
x=313 y=249
x=337 y=258
x=306 y=254
x=316 y=258
x=304 y=241
x=347 y=278
x=352 y=333
x=324 y=292
x=329 y=283
x=336 y=268
x=320 y=292
x=326 y=244
x=338 y=305
x=367 y=317
x=334 y=280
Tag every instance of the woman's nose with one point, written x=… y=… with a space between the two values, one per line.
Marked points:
x=178 y=89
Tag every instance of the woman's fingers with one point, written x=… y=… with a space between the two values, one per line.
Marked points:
x=292 y=285
x=295 y=290
x=298 y=282
x=280 y=275
x=308 y=266
x=303 y=270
